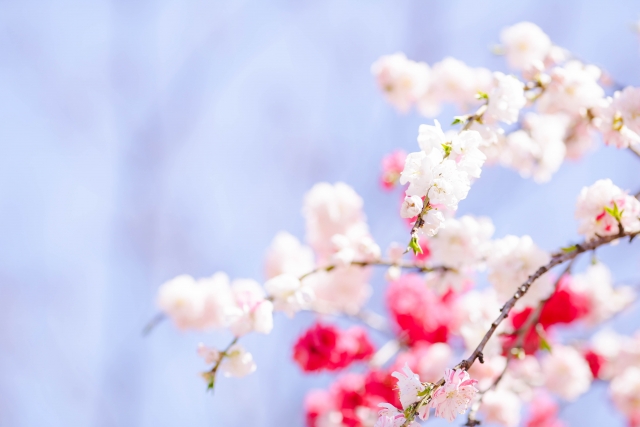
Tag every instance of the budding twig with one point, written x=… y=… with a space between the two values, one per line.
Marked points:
x=381 y=262
x=521 y=335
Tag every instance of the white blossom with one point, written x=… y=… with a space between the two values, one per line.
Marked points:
x=604 y=300
x=409 y=386
x=506 y=99
x=253 y=311
x=200 y=304
x=210 y=355
x=287 y=255
x=411 y=206
x=336 y=226
x=462 y=242
x=465 y=150
x=573 y=89
x=237 y=362
x=524 y=44
x=289 y=294
x=625 y=392
x=538 y=149
x=402 y=81
x=566 y=372
x=596 y=204
x=511 y=261
x=501 y=406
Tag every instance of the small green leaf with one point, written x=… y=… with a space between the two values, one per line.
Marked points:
x=615 y=212
x=482 y=95
x=414 y=245
x=447 y=149
x=544 y=344
x=456 y=121
x=210 y=378
x=570 y=248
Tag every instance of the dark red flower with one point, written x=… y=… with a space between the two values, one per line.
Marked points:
x=325 y=347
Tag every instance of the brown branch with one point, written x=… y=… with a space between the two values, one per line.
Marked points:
x=521 y=334
x=381 y=262
x=556 y=259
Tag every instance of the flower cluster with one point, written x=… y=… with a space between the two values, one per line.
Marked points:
x=436 y=313
x=439 y=175
x=567 y=97
x=603 y=209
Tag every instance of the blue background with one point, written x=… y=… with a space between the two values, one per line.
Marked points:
x=141 y=140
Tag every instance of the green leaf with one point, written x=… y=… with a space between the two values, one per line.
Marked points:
x=544 y=344
x=459 y=119
x=414 y=245
x=615 y=212
x=570 y=248
x=210 y=378
x=482 y=95
x=447 y=150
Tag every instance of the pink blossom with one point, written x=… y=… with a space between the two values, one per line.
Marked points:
x=392 y=165
x=595 y=207
x=454 y=396
x=543 y=413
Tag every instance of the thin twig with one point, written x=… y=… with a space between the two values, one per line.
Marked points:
x=521 y=335
x=381 y=262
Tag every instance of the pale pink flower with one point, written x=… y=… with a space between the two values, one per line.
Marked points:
x=253 y=311
x=342 y=290
x=409 y=386
x=237 y=362
x=543 y=412
x=625 y=392
x=434 y=360
x=506 y=99
x=596 y=283
x=289 y=294
x=201 y=304
x=613 y=123
x=566 y=373
x=502 y=407
x=287 y=255
x=511 y=261
x=524 y=44
x=454 y=396
x=573 y=89
x=402 y=80
x=627 y=103
x=210 y=355
x=330 y=210
x=389 y=416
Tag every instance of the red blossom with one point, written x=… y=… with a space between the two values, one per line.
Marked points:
x=420 y=313
x=349 y=395
x=595 y=361
x=325 y=347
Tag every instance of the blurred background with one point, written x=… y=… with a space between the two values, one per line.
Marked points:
x=145 y=139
